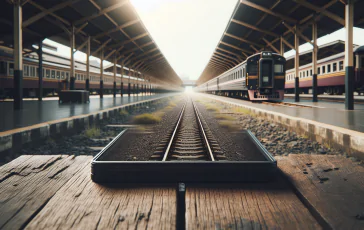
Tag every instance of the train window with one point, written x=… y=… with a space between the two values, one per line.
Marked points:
x=300 y=74
x=48 y=73
x=341 y=65
x=58 y=75
x=329 y=68
x=67 y=75
x=11 y=69
x=53 y=74
x=252 y=68
x=362 y=62
x=26 y=70
x=278 y=68
x=323 y=69
x=318 y=70
x=37 y=72
x=3 y=67
x=334 y=67
x=311 y=72
x=307 y=73
x=62 y=75
x=32 y=71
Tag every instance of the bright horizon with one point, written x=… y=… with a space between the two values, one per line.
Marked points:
x=187 y=32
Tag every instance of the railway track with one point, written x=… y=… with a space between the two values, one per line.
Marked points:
x=189 y=141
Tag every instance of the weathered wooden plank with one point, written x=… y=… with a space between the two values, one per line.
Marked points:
x=333 y=185
x=82 y=204
x=27 y=184
x=250 y=206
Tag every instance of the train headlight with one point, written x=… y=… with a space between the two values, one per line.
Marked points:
x=266 y=54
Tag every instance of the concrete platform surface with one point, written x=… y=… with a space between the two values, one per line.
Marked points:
x=35 y=112
x=327 y=113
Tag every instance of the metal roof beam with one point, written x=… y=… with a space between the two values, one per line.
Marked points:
x=220 y=62
x=134 y=49
x=109 y=55
x=229 y=63
x=254 y=27
x=322 y=11
x=288 y=44
x=243 y=40
x=130 y=40
x=42 y=14
x=229 y=52
x=268 y=11
x=127 y=24
x=114 y=22
x=271 y=45
x=147 y=52
x=235 y=47
x=227 y=56
x=100 y=47
x=225 y=60
x=299 y=33
x=102 y=12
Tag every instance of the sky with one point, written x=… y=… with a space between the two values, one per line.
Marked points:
x=188 y=31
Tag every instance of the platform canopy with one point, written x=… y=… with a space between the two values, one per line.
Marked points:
x=257 y=25
x=113 y=25
x=325 y=50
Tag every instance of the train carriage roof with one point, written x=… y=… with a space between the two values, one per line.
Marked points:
x=113 y=24
x=257 y=25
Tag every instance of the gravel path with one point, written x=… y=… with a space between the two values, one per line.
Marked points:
x=235 y=144
x=276 y=138
x=139 y=144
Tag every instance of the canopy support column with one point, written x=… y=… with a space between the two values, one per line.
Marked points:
x=18 y=56
x=282 y=46
x=88 y=63
x=40 y=70
x=297 y=66
x=102 y=73
x=114 y=75
x=72 y=65
x=314 y=62
x=349 y=62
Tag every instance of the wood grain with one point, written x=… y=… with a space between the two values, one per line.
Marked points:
x=29 y=182
x=83 y=204
x=333 y=185
x=250 y=206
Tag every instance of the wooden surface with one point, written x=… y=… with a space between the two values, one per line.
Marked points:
x=82 y=204
x=28 y=182
x=43 y=192
x=251 y=206
x=333 y=185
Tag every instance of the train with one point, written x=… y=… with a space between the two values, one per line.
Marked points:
x=56 y=69
x=260 y=77
x=330 y=75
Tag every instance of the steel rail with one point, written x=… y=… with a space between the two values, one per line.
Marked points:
x=174 y=133
x=211 y=156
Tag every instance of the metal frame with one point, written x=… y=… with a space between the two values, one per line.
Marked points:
x=185 y=171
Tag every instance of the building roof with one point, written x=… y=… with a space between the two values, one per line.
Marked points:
x=112 y=24
x=257 y=25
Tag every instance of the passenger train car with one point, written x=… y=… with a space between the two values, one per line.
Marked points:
x=56 y=70
x=260 y=77
x=330 y=74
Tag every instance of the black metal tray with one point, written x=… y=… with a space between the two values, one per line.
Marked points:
x=182 y=171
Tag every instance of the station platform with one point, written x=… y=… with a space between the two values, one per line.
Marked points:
x=324 y=97
x=35 y=112
x=324 y=112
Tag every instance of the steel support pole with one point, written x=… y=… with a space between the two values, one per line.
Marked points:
x=114 y=75
x=296 y=66
x=71 y=81
x=122 y=79
x=314 y=62
x=102 y=73
x=282 y=46
x=129 y=86
x=40 y=70
x=88 y=53
x=18 y=56
x=349 y=56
